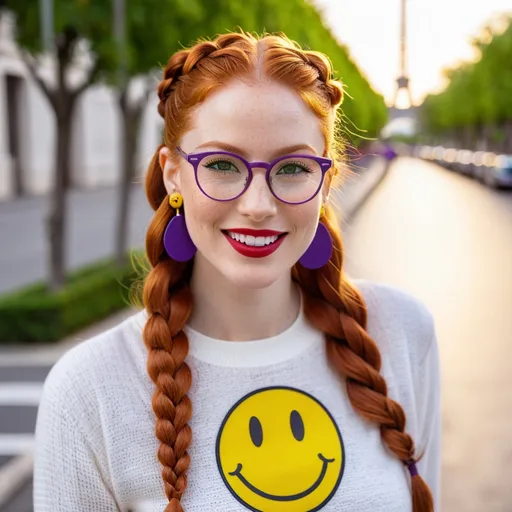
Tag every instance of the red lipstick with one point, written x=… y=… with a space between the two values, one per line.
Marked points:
x=252 y=251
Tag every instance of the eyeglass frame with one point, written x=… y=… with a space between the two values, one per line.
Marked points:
x=195 y=158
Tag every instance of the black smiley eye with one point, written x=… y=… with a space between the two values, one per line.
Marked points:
x=256 y=431
x=297 y=425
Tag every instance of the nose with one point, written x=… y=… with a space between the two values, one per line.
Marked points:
x=257 y=202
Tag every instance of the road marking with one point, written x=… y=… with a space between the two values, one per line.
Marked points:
x=20 y=393
x=13 y=476
x=16 y=444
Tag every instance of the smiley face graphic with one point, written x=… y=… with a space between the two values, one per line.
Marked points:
x=279 y=449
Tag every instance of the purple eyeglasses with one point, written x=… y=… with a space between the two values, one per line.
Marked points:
x=224 y=176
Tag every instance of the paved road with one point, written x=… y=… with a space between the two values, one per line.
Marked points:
x=448 y=240
x=91 y=232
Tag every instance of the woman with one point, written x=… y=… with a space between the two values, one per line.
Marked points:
x=272 y=382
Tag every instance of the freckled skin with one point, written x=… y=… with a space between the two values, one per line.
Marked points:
x=260 y=119
x=279 y=449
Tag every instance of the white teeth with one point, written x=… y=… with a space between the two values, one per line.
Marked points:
x=258 y=241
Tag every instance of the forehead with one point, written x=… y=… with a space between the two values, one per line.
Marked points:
x=261 y=118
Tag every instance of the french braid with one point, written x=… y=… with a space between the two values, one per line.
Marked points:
x=183 y=62
x=168 y=303
x=332 y=304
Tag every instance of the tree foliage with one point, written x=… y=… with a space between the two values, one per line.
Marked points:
x=157 y=28
x=363 y=112
x=154 y=30
x=479 y=93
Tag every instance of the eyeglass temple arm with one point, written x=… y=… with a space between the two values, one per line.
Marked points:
x=181 y=152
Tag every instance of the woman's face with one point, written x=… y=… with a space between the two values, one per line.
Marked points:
x=259 y=122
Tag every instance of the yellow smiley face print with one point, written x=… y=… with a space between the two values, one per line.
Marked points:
x=279 y=449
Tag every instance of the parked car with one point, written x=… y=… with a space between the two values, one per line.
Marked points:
x=426 y=153
x=438 y=155
x=481 y=160
x=491 y=169
x=449 y=158
x=463 y=162
x=499 y=173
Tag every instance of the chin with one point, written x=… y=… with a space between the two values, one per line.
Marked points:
x=254 y=277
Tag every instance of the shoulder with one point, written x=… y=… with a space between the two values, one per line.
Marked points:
x=76 y=379
x=394 y=314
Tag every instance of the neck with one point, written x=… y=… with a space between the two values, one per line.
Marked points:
x=226 y=311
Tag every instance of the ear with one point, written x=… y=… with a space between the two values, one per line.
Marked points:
x=170 y=171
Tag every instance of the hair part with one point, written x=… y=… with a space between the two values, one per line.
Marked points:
x=331 y=303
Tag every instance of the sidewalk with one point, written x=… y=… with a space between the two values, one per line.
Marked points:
x=46 y=354
x=358 y=188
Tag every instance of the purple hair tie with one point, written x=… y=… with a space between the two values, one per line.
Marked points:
x=411 y=466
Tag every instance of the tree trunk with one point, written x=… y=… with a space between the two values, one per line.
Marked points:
x=57 y=216
x=131 y=118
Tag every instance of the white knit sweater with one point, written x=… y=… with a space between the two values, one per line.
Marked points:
x=273 y=428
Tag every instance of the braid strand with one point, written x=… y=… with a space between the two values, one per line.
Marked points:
x=332 y=305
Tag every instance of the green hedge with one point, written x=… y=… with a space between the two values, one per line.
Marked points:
x=34 y=314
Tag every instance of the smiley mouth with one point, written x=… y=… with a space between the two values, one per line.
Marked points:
x=292 y=497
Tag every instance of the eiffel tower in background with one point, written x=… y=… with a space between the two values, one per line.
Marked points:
x=402 y=82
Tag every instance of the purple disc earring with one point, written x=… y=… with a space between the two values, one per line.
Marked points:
x=320 y=250
x=177 y=241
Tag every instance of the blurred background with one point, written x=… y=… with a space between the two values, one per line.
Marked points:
x=426 y=204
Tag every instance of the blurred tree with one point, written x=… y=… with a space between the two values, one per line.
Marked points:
x=84 y=29
x=153 y=31
x=363 y=113
x=475 y=109
x=74 y=21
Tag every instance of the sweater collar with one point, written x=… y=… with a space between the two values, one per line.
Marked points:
x=264 y=352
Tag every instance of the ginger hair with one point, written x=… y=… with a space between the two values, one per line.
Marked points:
x=331 y=303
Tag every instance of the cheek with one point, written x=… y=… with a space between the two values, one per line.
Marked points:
x=306 y=220
x=201 y=212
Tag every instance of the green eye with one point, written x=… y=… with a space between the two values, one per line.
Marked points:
x=222 y=165
x=291 y=169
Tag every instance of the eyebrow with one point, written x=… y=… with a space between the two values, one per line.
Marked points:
x=233 y=149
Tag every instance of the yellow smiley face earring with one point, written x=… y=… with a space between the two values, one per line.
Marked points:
x=176 y=201
x=177 y=241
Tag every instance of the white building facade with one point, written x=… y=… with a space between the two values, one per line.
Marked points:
x=28 y=131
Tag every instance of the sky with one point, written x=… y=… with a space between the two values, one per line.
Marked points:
x=438 y=36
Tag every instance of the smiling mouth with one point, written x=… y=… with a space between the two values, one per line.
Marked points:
x=255 y=251
x=291 y=497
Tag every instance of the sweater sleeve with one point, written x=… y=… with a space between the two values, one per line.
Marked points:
x=428 y=397
x=67 y=472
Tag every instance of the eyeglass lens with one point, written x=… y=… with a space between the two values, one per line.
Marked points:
x=292 y=180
